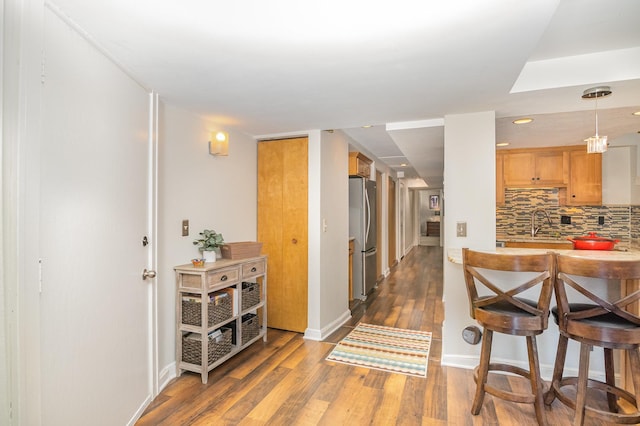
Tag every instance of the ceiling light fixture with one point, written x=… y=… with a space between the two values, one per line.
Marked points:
x=525 y=120
x=636 y=113
x=502 y=144
x=596 y=143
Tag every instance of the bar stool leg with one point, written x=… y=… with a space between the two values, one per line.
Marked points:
x=610 y=379
x=536 y=381
x=483 y=371
x=581 y=388
x=558 y=369
x=634 y=361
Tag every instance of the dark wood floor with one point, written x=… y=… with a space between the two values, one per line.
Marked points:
x=286 y=381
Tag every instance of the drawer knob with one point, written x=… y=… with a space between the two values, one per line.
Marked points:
x=253 y=269
x=223 y=278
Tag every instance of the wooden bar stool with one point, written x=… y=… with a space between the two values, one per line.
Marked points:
x=502 y=311
x=600 y=322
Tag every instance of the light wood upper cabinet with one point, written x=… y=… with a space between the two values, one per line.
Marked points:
x=526 y=168
x=578 y=175
x=359 y=165
x=585 y=185
x=500 y=178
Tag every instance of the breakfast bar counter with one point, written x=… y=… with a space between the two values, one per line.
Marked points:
x=454 y=255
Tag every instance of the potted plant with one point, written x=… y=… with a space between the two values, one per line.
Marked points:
x=210 y=240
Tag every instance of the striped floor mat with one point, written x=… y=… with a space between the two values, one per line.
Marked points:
x=385 y=348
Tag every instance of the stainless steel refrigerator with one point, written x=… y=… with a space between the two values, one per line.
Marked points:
x=362 y=226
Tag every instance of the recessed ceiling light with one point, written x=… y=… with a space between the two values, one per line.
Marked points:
x=525 y=120
x=366 y=126
x=403 y=165
x=502 y=144
x=636 y=113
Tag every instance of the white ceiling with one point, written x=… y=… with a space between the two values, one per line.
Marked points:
x=284 y=66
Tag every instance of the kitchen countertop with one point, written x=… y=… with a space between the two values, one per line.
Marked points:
x=454 y=255
x=620 y=246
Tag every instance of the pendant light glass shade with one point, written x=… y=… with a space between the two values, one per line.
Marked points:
x=596 y=144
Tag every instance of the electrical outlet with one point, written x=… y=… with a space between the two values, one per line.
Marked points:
x=461 y=229
x=185 y=228
x=565 y=220
x=600 y=220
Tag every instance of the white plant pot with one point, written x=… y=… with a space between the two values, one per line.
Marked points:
x=209 y=256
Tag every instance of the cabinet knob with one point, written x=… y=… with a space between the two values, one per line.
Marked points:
x=294 y=241
x=253 y=269
x=223 y=278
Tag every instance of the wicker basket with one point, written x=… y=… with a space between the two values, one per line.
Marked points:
x=217 y=312
x=192 y=349
x=250 y=327
x=243 y=250
x=250 y=295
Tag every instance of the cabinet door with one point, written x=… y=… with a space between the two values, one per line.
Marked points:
x=282 y=228
x=585 y=185
x=519 y=169
x=550 y=168
x=499 y=179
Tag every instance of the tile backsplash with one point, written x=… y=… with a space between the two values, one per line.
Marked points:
x=514 y=218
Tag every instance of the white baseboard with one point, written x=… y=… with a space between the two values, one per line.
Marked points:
x=166 y=375
x=319 y=335
x=136 y=416
x=546 y=371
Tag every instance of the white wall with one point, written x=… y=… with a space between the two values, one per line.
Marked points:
x=469 y=194
x=332 y=288
x=620 y=173
x=211 y=192
x=616 y=170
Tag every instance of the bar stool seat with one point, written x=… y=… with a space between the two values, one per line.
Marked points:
x=602 y=323
x=505 y=311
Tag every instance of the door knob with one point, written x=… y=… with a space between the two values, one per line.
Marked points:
x=148 y=274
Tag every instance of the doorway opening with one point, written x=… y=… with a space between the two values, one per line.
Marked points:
x=429 y=217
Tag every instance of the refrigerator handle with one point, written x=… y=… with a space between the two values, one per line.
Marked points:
x=366 y=197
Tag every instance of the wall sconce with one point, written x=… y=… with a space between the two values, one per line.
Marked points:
x=219 y=144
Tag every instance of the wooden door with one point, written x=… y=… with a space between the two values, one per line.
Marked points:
x=282 y=228
x=392 y=223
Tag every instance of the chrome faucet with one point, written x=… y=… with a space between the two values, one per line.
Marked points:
x=534 y=228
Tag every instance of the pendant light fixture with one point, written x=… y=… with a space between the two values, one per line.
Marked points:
x=597 y=143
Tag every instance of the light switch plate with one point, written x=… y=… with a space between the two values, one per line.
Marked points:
x=461 y=229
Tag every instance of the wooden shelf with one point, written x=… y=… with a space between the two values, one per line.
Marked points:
x=204 y=281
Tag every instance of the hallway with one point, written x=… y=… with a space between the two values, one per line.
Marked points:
x=287 y=380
